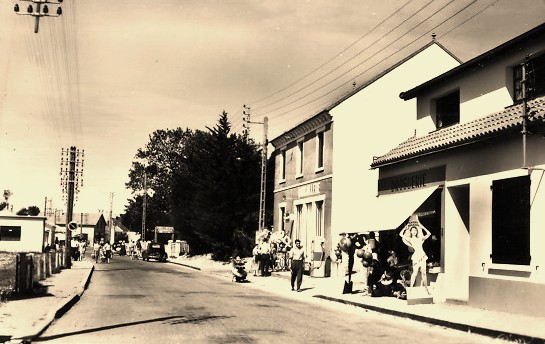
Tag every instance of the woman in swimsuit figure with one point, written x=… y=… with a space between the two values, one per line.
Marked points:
x=414 y=235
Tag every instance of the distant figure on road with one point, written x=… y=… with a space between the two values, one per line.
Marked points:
x=96 y=251
x=108 y=250
x=297 y=257
x=81 y=248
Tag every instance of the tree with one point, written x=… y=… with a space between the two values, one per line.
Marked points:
x=30 y=211
x=205 y=183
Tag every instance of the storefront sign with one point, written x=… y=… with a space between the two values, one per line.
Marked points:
x=162 y=229
x=409 y=181
x=308 y=190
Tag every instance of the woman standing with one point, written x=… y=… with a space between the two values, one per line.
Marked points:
x=413 y=235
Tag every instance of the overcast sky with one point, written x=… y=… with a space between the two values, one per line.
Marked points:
x=106 y=74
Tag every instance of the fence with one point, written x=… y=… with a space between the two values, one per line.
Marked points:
x=31 y=268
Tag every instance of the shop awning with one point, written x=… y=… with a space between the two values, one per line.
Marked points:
x=389 y=211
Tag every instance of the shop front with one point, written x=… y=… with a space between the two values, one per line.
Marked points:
x=402 y=199
x=304 y=213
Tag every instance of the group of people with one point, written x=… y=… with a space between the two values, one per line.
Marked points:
x=102 y=251
x=385 y=277
x=275 y=251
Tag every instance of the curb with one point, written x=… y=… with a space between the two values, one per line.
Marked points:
x=452 y=325
x=56 y=314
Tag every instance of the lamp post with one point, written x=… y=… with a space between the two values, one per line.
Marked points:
x=40 y=9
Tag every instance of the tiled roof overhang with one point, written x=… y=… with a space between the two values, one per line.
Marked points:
x=493 y=125
x=302 y=129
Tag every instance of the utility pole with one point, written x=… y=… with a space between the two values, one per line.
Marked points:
x=263 y=191
x=144 y=200
x=112 y=233
x=38 y=11
x=70 y=181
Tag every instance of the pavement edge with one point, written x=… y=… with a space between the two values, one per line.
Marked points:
x=65 y=307
x=438 y=322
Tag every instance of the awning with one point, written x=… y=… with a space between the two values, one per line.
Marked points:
x=389 y=211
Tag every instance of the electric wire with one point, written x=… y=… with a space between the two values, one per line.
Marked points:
x=334 y=57
x=353 y=68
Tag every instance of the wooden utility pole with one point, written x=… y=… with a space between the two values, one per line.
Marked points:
x=263 y=191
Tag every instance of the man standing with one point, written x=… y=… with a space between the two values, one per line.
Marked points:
x=297 y=255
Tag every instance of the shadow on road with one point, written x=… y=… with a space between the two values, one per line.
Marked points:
x=173 y=320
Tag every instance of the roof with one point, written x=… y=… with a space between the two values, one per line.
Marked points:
x=492 y=125
x=89 y=219
x=480 y=61
x=280 y=140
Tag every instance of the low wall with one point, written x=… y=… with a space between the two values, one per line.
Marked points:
x=507 y=296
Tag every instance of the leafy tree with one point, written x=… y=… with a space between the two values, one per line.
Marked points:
x=30 y=211
x=206 y=184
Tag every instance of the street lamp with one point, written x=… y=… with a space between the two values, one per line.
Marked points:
x=40 y=9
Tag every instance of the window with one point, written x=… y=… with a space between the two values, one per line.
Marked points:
x=299 y=167
x=511 y=221
x=283 y=165
x=535 y=74
x=320 y=151
x=10 y=233
x=447 y=110
x=319 y=218
x=282 y=219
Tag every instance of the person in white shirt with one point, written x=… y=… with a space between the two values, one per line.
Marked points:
x=297 y=257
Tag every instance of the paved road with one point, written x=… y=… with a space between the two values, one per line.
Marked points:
x=145 y=302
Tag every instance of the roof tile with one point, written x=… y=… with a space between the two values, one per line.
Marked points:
x=456 y=135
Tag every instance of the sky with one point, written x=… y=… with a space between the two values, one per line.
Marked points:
x=106 y=74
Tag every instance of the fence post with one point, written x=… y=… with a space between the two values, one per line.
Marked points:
x=30 y=274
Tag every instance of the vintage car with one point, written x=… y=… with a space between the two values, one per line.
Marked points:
x=155 y=251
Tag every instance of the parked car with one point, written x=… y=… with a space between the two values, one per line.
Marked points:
x=155 y=251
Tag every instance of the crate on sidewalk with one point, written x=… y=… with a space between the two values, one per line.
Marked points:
x=418 y=295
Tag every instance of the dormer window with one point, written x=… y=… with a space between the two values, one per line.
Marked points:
x=535 y=73
x=447 y=110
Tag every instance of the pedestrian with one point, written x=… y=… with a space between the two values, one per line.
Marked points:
x=297 y=257
x=265 y=256
x=96 y=249
x=81 y=248
x=255 y=261
x=415 y=238
x=108 y=250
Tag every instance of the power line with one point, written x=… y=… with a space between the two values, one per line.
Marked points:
x=356 y=66
x=333 y=58
x=405 y=46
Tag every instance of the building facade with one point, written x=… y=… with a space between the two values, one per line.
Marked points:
x=321 y=175
x=21 y=233
x=473 y=171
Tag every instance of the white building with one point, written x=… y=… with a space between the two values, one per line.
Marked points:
x=474 y=169
x=21 y=233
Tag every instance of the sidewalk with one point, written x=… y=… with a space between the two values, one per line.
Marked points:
x=455 y=316
x=23 y=319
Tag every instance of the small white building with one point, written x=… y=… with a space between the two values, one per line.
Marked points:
x=20 y=233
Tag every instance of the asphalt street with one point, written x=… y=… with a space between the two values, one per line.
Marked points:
x=131 y=301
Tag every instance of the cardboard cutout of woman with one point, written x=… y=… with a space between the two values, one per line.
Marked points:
x=413 y=235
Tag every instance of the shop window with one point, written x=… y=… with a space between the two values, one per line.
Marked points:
x=511 y=221
x=535 y=73
x=10 y=233
x=299 y=164
x=320 y=151
x=447 y=110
